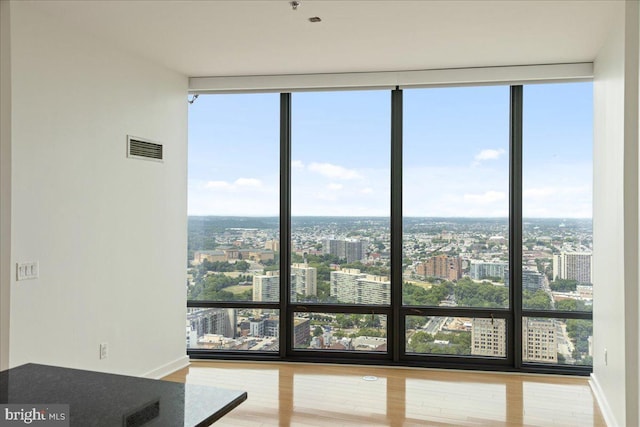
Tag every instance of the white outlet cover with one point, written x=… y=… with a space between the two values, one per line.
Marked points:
x=104 y=348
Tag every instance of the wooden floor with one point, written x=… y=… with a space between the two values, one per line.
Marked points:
x=282 y=394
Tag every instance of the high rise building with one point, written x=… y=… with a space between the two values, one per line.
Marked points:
x=304 y=280
x=531 y=280
x=272 y=327
x=256 y=327
x=442 y=267
x=539 y=343
x=219 y=321
x=479 y=270
x=488 y=337
x=264 y=326
x=573 y=266
x=301 y=332
x=350 y=286
x=352 y=250
x=266 y=287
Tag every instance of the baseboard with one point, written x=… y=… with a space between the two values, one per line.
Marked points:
x=169 y=368
x=607 y=414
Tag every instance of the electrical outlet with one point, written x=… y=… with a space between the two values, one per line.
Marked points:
x=606 y=362
x=104 y=350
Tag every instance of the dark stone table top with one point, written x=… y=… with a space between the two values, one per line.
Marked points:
x=99 y=399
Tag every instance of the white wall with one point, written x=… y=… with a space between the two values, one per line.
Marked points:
x=636 y=406
x=5 y=181
x=109 y=232
x=615 y=222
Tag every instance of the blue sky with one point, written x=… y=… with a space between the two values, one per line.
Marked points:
x=455 y=160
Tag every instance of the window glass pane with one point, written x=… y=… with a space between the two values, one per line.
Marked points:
x=233 y=198
x=456 y=197
x=340 y=197
x=456 y=336
x=340 y=332
x=233 y=329
x=557 y=196
x=557 y=341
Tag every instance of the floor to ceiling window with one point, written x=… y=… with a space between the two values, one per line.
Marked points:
x=340 y=177
x=234 y=226
x=557 y=291
x=429 y=227
x=455 y=220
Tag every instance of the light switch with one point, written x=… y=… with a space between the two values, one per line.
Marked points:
x=27 y=270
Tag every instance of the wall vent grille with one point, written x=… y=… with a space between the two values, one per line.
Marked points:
x=139 y=148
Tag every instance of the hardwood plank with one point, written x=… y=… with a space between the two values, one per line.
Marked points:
x=297 y=394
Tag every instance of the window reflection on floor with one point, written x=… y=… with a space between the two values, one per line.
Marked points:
x=282 y=394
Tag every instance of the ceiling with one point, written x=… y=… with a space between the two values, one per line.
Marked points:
x=230 y=38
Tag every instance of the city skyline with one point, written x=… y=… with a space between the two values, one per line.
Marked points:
x=459 y=264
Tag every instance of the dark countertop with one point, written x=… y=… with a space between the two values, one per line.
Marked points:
x=99 y=399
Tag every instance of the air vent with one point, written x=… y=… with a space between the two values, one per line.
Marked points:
x=139 y=148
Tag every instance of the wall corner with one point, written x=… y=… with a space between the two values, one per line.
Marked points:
x=5 y=181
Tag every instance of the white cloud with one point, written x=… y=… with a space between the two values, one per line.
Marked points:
x=334 y=171
x=569 y=201
x=243 y=196
x=325 y=197
x=297 y=164
x=248 y=182
x=367 y=190
x=240 y=183
x=538 y=193
x=486 y=197
x=489 y=154
x=335 y=187
x=223 y=185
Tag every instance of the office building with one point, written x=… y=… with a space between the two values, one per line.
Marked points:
x=531 y=280
x=350 y=286
x=301 y=332
x=442 y=267
x=266 y=287
x=480 y=270
x=350 y=250
x=304 y=280
x=217 y=321
x=488 y=337
x=573 y=266
x=539 y=341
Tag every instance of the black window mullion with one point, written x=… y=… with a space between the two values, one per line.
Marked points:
x=396 y=324
x=515 y=223
x=585 y=315
x=396 y=313
x=232 y=304
x=286 y=318
x=486 y=313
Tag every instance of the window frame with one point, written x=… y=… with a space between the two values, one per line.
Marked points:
x=396 y=313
